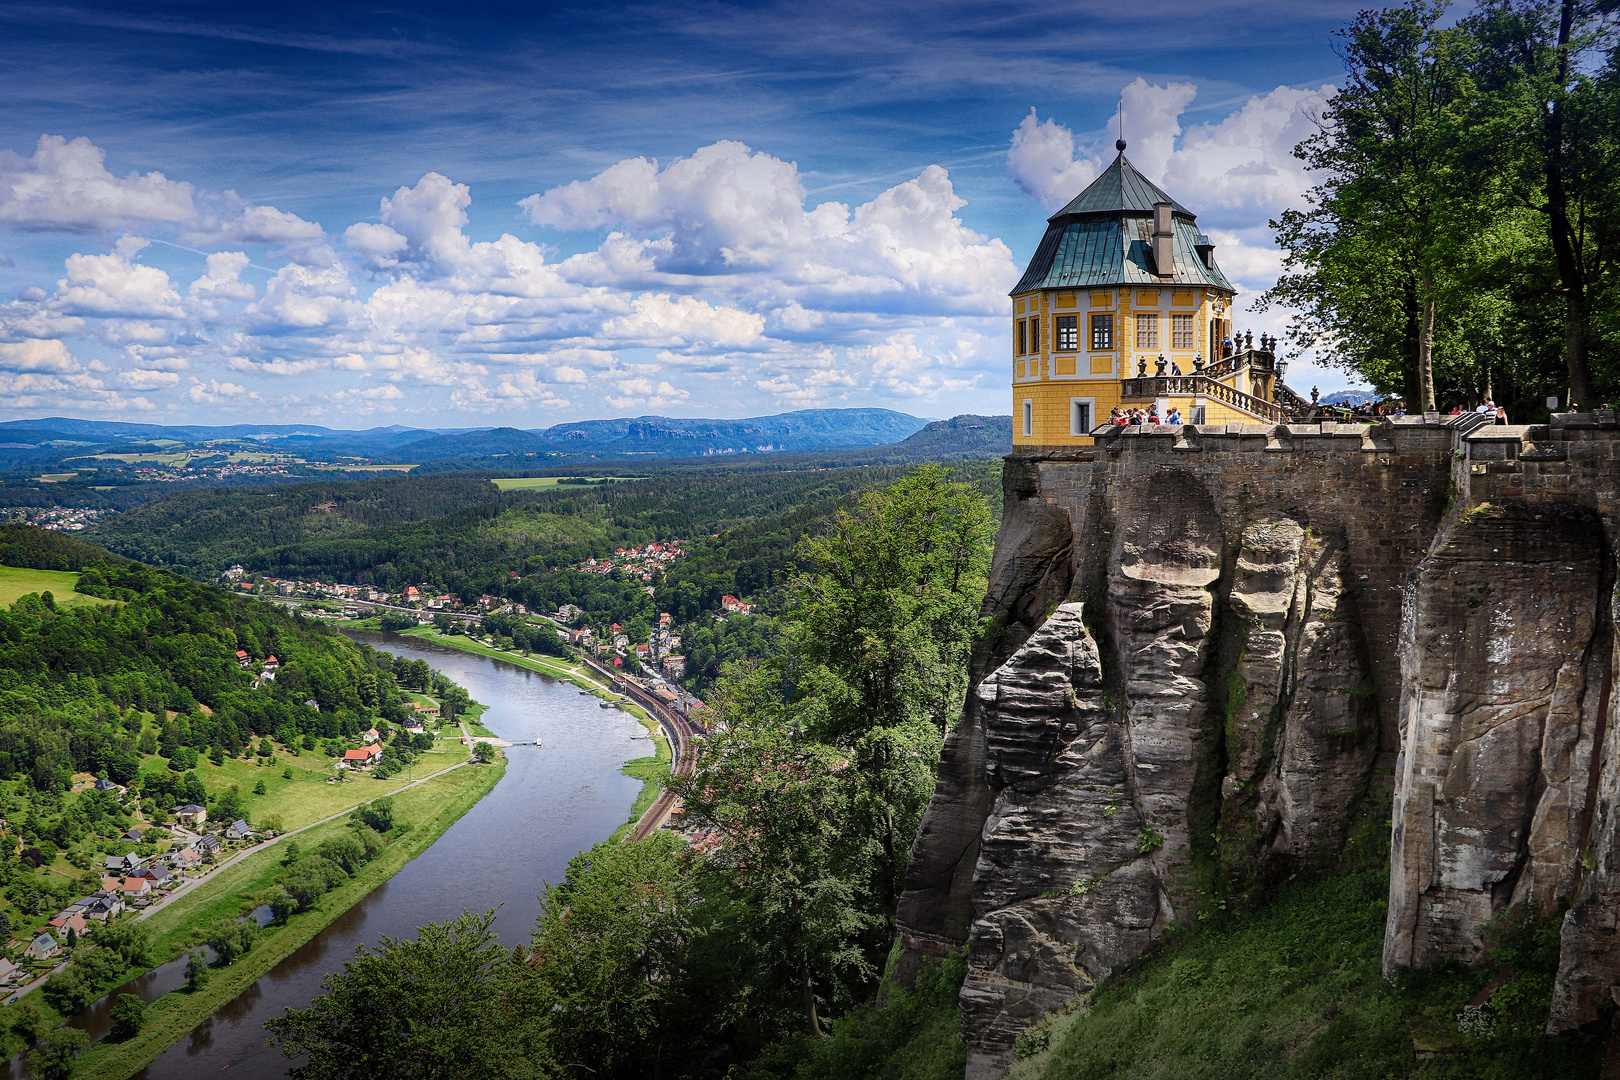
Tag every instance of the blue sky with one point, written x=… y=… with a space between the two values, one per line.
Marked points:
x=487 y=214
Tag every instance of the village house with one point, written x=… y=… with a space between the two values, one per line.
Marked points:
x=206 y=845
x=191 y=814
x=361 y=757
x=74 y=921
x=271 y=664
x=370 y=735
x=415 y=726
x=242 y=658
x=9 y=972
x=732 y=604
x=157 y=875
x=185 y=859
x=133 y=836
x=136 y=886
x=411 y=594
x=123 y=864
x=675 y=666
x=238 y=830
x=43 y=947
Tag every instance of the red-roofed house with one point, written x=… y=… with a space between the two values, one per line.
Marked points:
x=362 y=757
x=242 y=658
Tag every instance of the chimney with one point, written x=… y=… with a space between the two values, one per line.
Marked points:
x=1164 y=241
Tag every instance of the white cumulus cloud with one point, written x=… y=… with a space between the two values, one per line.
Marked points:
x=66 y=185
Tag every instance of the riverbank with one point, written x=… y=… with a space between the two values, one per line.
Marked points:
x=652 y=771
x=429 y=808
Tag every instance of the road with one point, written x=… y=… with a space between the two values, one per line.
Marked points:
x=245 y=853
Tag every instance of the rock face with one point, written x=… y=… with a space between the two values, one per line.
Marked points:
x=1301 y=729
x=1031 y=573
x=1105 y=792
x=1499 y=720
x=1213 y=650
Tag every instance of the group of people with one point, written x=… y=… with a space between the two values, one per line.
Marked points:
x=1485 y=408
x=1149 y=415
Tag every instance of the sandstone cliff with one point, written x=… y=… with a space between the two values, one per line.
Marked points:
x=1214 y=649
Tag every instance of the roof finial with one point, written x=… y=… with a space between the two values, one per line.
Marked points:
x=1119 y=143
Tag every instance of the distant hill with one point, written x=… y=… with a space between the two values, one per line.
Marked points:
x=494 y=442
x=108 y=431
x=967 y=435
x=672 y=437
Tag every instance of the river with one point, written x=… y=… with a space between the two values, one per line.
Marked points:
x=555 y=800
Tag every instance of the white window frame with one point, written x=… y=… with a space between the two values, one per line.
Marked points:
x=1029 y=418
x=1177 y=334
x=1075 y=428
x=1147 y=330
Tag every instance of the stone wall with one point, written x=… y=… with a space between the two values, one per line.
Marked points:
x=1211 y=646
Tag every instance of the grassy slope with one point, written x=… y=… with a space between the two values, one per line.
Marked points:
x=1295 y=991
x=17 y=582
x=430 y=809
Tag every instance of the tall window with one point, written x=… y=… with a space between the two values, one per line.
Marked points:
x=1102 y=331
x=1080 y=416
x=1068 y=333
x=1181 y=331
x=1147 y=331
x=1029 y=419
x=1023 y=339
x=1034 y=335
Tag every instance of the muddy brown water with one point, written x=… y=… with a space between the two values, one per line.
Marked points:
x=555 y=800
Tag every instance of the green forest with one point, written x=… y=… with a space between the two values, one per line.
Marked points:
x=140 y=691
x=1463 y=242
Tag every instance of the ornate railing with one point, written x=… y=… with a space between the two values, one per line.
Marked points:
x=1290 y=400
x=1156 y=386
x=1257 y=359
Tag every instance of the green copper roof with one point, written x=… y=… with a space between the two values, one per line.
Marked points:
x=1120 y=188
x=1104 y=237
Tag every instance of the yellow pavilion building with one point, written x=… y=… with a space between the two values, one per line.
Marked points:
x=1123 y=306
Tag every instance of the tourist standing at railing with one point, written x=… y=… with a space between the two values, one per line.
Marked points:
x=1174 y=419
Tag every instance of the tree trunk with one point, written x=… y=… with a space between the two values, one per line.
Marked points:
x=810 y=1002
x=1411 y=388
x=1561 y=233
x=1425 y=357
